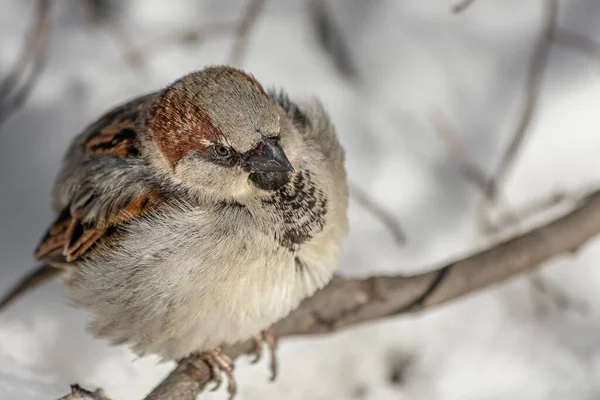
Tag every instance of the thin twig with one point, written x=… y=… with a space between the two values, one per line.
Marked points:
x=389 y=220
x=462 y=6
x=34 y=56
x=132 y=56
x=184 y=36
x=31 y=44
x=526 y=212
x=545 y=291
x=331 y=39
x=539 y=62
x=466 y=165
x=244 y=29
x=468 y=168
x=533 y=85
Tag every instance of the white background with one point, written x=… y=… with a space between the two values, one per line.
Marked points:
x=414 y=57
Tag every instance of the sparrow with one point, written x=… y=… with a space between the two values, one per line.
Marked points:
x=197 y=216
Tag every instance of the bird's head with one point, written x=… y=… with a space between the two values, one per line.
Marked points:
x=218 y=132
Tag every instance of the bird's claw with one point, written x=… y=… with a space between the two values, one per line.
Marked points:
x=269 y=338
x=220 y=363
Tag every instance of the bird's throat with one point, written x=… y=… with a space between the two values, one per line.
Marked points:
x=270 y=180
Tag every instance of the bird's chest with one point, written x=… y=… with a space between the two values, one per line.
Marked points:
x=300 y=208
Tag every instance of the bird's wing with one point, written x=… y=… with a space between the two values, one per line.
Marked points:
x=104 y=184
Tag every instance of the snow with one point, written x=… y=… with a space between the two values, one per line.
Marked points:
x=415 y=58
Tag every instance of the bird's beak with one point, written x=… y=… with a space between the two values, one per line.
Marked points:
x=271 y=158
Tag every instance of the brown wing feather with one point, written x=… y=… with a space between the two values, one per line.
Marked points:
x=71 y=238
x=73 y=234
x=79 y=226
x=115 y=133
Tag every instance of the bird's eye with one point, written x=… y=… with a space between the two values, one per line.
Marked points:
x=221 y=150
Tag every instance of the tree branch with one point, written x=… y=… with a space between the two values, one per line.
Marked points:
x=242 y=34
x=462 y=6
x=348 y=302
x=29 y=66
x=539 y=62
x=466 y=164
x=331 y=39
x=387 y=218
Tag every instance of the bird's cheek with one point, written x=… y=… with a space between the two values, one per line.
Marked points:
x=240 y=187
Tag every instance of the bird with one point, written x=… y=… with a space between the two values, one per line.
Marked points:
x=197 y=216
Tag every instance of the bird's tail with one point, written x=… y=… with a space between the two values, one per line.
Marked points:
x=30 y=281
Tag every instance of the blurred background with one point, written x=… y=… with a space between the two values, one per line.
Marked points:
x=427 y=102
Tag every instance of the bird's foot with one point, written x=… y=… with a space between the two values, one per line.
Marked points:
x=220 y=363
x=269 y=338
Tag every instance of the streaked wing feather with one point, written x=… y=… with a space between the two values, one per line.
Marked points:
x=111 y=187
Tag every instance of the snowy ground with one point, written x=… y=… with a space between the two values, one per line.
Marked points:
x=509 y=342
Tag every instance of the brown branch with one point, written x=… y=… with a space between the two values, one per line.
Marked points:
x=468 y=168
x=462 y=6
x=533 y=85
x=539 y=62
x=242 y=35
x=348 y=302
x=471 y=172
x=11 y=98
x=387 y=219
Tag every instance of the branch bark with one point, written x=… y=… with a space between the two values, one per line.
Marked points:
x=348 y=302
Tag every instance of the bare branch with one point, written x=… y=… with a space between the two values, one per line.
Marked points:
x=348 y=302
x=527 y=211
x=467 y=166
x=185 y=36
x=135 y=56
x=537 y=67
x=101 y=15
x=11 y=98
x=248 y=22
x=388 y=219
x=462 y=6
x=539 y=62
x=545 y=292
x=469 y=169
x=331 y=39
x=132 y=55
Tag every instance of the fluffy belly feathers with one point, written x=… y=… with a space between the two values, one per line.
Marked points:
x=187 y=291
